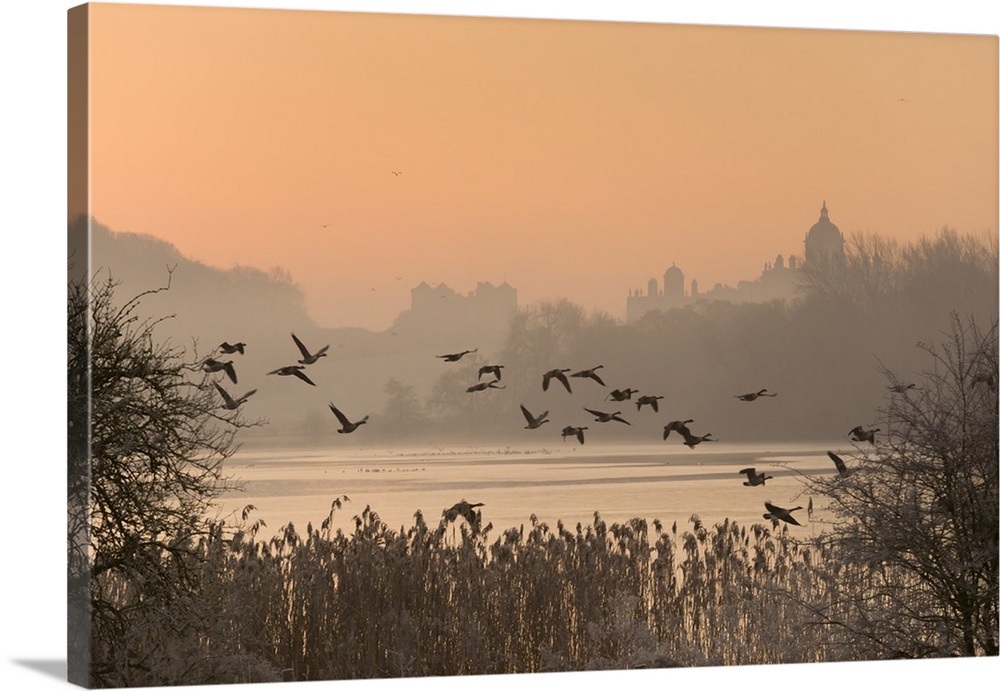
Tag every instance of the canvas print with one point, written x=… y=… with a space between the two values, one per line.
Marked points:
x=423 y=346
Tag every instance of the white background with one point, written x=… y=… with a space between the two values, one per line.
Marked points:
x=33 y=195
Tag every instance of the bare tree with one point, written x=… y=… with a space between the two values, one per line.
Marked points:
x=916 y=517
x=147 y=441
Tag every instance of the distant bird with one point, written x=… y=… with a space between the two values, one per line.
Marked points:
x=600 y=416
x=455 y=357
x=483 y=385
x=754 y=478
x=692 y=440
x=590 y=374
x=346 y=426
x=213 y=365
x=307 y=357
x=621 y=394
x=557 y=374
x=650 y=401
x=230 y=348
x=859 y=433
x=396 y=172
x=985 y=378
x=902 y=388
x=230 y=402
x=465 y=510
x=534 y=422
x=809 y=508
x=677 y=426
x=776 y=513
x=839 y=462
x=293 y=371
x=570 y=431
x=753 y=396
x=490 y=369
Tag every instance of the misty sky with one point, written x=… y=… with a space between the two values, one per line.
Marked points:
x=572 y=159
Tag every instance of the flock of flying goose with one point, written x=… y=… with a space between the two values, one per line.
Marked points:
x=534 y=421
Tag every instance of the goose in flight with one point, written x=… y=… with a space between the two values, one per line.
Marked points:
x=570 y=431
x=490 y=369
x=483 y=385
x=901 y=388
x=754 y=478
x=600 y=416
x=307 y=357
x=346 y=426
x=293 y=371
x=754 y=395
x=620 y=395
x=692 y=440
x=455 y=357
x=230 y=348
x=677 y=426
x=590 y=374
x=859 y=433
x=650 y=401
x=556 y=374
x=534 y=422
x=230 y=402
x=463 y=509
x=397 y=173
x=776 y=513
x=213 y=365
x=839 y=462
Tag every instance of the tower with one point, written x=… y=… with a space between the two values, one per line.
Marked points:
x=824 y=241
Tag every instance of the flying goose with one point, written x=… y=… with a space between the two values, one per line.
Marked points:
x=776 y=513
x=346 y=426
x=859 y=433
x=293 y=371
x=463 y=509
x=570 y=431
x=600 y=416
x=455 y=357
x=230 y=348
x=901 y=388
x=230 y=402
x=590 y=374
x=753 y=396
x=677 y=426
x=483 y=385
x=650 y=401
x=839 y=462
x=557 y=374
x=307 y=357
x=534 y=422
x=490 y=369
x=213 y=365
x=754 y=478
x=692 y=440
x=620 y=395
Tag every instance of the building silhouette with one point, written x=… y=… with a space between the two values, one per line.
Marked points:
x=824 y=247
x=441 y=310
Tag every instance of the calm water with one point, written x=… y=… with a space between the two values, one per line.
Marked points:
x=558 y=481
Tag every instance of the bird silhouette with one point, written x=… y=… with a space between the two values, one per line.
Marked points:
x=307 y=357
x=483 y=385
x=570 y=431
x=346 y=426
x=620 y=395
x=776 y=513
x=754 y=395
x=677 y=426
x=293 y=371
x=901 y=388
x=754 y=478
x=465 y=510
x=490 y=369
x=600 y=416
x=651 y=401
x=534 y=422
x=590 y=374
x=455 y=357
x=230 y=348
x=859 y=433
x=230 y=402
x=555 y=374
x=213 y=365
x=396 y=172
x=692 y=440
x=839 y=462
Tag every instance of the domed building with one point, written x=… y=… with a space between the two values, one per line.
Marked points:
x=824 y=241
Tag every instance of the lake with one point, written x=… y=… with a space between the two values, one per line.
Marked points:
x=558 y=481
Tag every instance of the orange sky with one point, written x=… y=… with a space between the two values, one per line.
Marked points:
x=571 y=158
